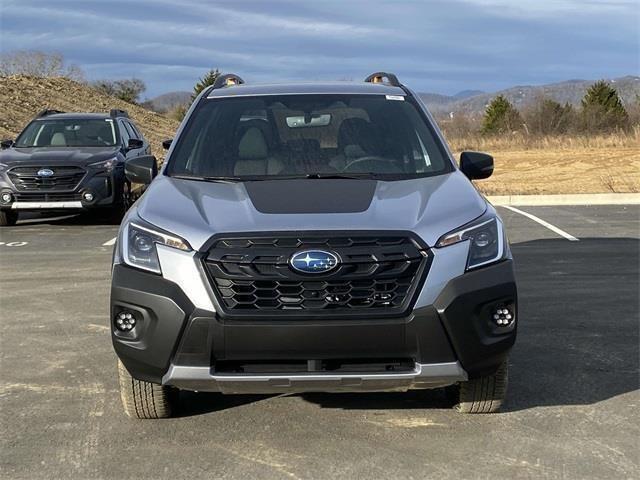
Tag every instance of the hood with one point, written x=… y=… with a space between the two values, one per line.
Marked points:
x=196 y=210
x=48 y=156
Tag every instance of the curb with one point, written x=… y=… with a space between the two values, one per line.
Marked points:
x=569 y=199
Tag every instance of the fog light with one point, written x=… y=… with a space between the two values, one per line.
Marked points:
x=6 y=197
x=503 y=317
x=88 y=196
x=125 y=321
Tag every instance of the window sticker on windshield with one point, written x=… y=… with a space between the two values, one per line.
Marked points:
x=394 y=97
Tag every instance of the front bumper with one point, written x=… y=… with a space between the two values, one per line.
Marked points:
x=422 y=376
x=179 y=343
x=62 y=205
x=106 y=188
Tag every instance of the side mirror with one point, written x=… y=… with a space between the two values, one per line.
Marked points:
x=141 y=169
x=167 y=143
x=6 y=143
x=476 y=165
x=134 y=143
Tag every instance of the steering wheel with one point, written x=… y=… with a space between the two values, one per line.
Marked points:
x=369 y=163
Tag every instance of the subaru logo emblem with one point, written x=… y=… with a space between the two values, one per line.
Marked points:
x=45 y=172
x=314 y=261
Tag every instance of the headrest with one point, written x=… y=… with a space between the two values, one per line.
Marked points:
x=252 y=145
x=58 y=140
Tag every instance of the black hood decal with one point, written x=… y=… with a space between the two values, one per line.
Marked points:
x=311 y=196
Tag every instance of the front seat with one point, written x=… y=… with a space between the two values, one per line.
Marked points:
x=253 y=156
x=58 y=140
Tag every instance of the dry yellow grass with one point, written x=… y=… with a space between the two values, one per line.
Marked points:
x=559 y=164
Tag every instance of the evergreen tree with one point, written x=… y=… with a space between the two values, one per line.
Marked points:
x=208 y=79
x=602 y=109
x=547 y=117
x=501 y=117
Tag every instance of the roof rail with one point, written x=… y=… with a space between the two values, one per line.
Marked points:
x=46 y=112
x=114 y=112
x=379 y=77
x=227 y=80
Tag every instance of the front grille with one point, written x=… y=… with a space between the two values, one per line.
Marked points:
x=380 y=273
x=26 y=179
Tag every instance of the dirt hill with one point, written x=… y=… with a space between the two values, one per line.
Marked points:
x=21 y=98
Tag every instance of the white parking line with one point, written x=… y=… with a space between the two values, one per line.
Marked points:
x=108 y=243
x=553 y=228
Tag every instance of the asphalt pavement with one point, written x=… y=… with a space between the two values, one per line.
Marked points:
x=573 y=401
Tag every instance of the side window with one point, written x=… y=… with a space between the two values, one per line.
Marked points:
x=135 y=130
x=132 y=133
x=124 y=133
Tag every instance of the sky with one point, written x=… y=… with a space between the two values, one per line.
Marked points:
x=441 y=46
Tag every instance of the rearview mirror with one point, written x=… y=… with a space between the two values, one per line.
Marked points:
x=167 y=143
x=6 y=143
x=141 y=169
x=476 y=165
x=134 y=143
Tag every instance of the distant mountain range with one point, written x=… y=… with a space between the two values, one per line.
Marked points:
x=475 y=101
x=167 y=101
x=571 y=91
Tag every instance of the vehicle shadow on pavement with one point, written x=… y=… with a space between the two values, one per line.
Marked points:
x=198 y=403
x=62 y=219
x=578 y=332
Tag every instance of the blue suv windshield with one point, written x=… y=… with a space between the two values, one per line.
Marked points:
x=68 y=132
x=280 y=136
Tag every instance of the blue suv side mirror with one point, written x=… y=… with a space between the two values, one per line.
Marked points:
x=134 y=143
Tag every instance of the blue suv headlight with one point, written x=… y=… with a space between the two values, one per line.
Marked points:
x=486 y=240
x=106 y=165
x=139 y=240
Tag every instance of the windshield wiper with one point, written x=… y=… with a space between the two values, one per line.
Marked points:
x=349 y=176
x=310 y=176
x=318 y=176
x=209 y=179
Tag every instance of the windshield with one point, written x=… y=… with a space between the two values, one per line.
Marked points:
x=284 y=136
x=68 y=133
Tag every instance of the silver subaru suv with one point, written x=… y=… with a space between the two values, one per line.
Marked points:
x=313 y=237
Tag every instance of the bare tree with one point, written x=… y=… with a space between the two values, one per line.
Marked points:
x=128 y=89
x=38 y=64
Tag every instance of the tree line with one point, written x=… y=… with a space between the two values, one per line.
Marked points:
x=601 y=110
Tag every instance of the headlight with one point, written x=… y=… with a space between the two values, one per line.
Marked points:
x=106 y=165
x=486 y=240
x=139 y=245
x=3 y=167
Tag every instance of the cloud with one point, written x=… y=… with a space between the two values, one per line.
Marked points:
x=442 y=46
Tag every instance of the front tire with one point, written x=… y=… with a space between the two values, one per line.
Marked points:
x=481 y=395
x=8 y=218
x=145 y=400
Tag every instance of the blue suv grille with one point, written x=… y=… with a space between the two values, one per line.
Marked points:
x=64 y=178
